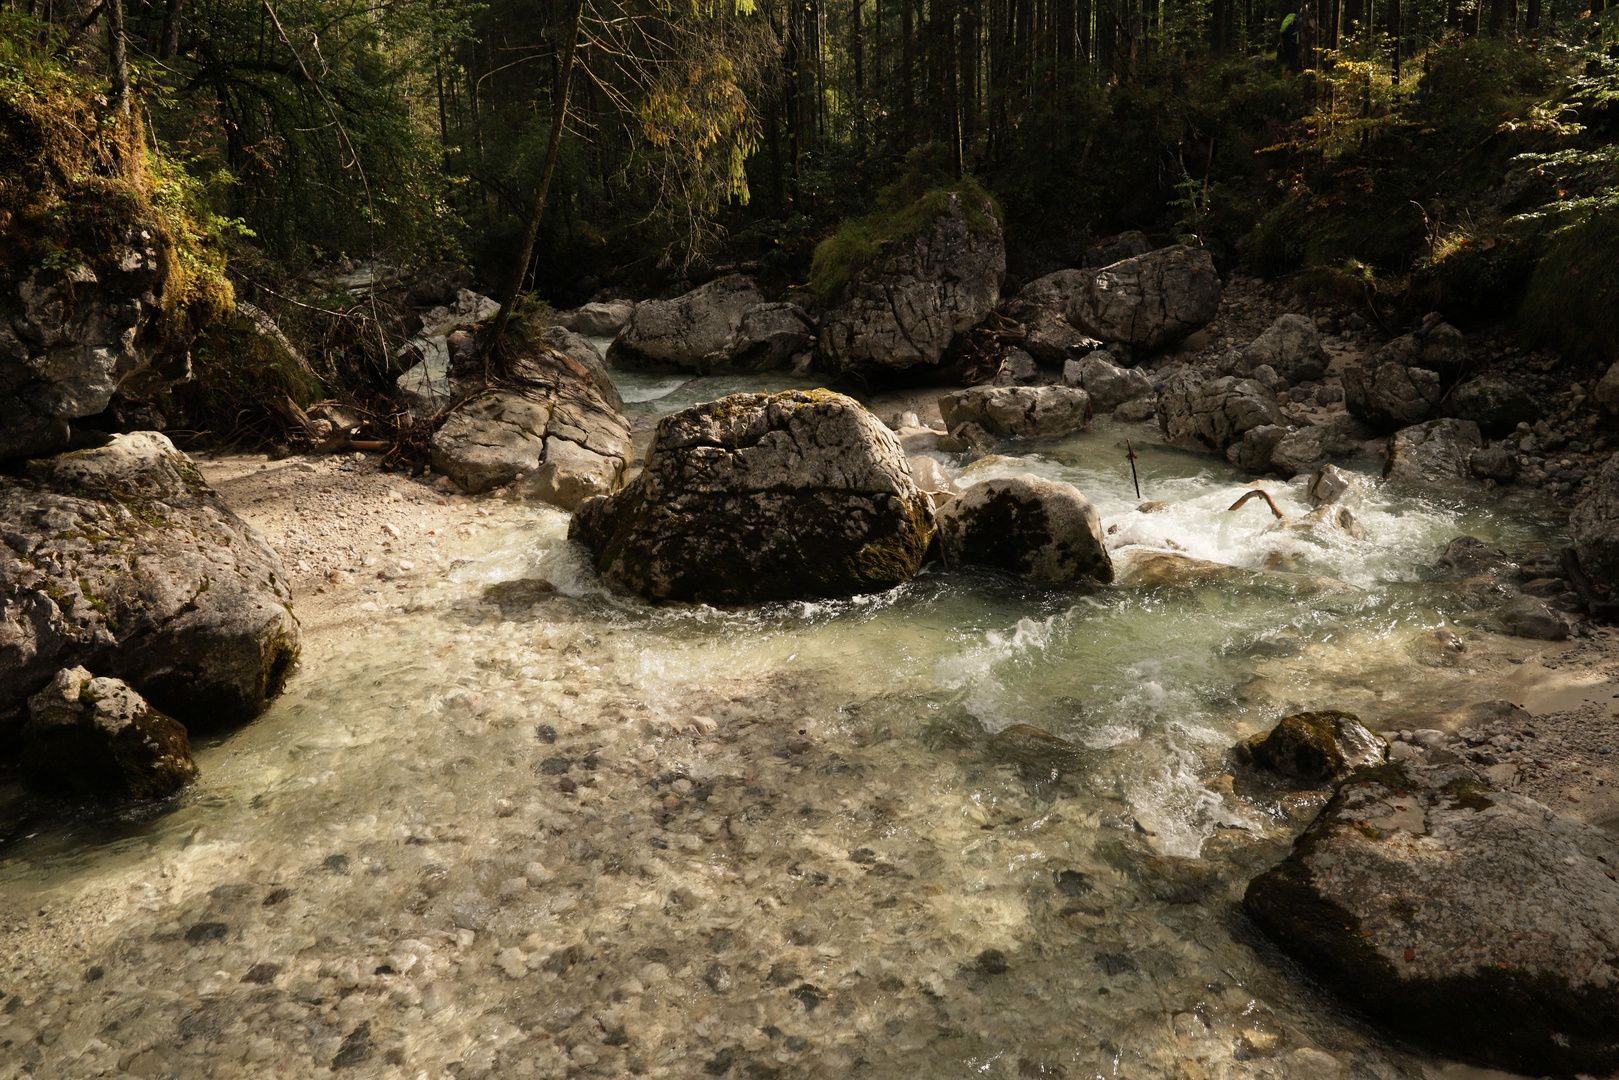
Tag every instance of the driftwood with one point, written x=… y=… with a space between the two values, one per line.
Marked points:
x=1259 y=493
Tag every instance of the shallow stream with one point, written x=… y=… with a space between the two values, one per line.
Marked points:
x=580 y=835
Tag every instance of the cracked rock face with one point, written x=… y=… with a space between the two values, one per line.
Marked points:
x=98 y=737
x=1210 y=414
x=1108 y=384
x=906 y=310
x=1031 y=526
x=1043 y=307
x=1432 y=453
x=1026 y=411
x=1151 y=301
x=1476 y=922
x=123 y=561
x=724 y=325
x=761 y=497
x=1291 y=346
x=1495 y=405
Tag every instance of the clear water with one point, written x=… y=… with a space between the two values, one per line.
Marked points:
x=807 y=840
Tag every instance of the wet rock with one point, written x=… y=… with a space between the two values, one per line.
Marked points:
x=123 y=561
x=1150 y=301
x=1495 y=405
x=1038 y=754
x=1494 y=463
x=905 y=310
x=1433 y=453
x=1390 y=395
x=1134 y=412
x=1108 y=384
x=1531 y=617
x=1314 y=747
x=1210 y=414
x=1439 y=906
x=1469 y=556
x=1256 y=447
x=760 y=497
x=709 y=330
x=1305 y=448
x=519 y=595
x=98 y=737
x=930 y=478
x=1334 y=486
x=1594 y=527
x=1026 y=411
x=598 y=319
x=1039 y=528
x=1291 y=346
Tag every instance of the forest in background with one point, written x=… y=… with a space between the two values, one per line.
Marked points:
x=1430 y=154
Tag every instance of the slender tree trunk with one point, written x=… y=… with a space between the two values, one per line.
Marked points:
x=170 y=42
x=1498 y=17
x=559 y=120
x=857 y=48
x=1395 y=32
x=1532 y=23
x=118 y=55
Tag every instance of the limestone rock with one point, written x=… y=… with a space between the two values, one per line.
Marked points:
x=581 y=351
x=1432 y=453
x=1495 y=405
x=1039 y=528
x=1531 y=617
x=1594 y=527
x=1468 y=556
x=1304 y=449
x=1332 y=486
x=1026 y=411
x=1043 y=307
x=906 y=309
x=1390 y=395
x=1315 y=747
x=100 y=738
x=716 y=327
x=761 y=497
x=599 y=319
x=1203 y=414
x=1291 y=346
x=1108 y=384
x=1256 y=447
x=1151 y=301
x=1440 y=907
x=122 y=560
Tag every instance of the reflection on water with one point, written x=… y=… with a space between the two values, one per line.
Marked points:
x=817 y=839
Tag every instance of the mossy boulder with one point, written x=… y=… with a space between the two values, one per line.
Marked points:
x=1474 y=922
x=762 y=497
x=1031 y=526
x=99 y=738
x=1314 y=747
x=123 y=561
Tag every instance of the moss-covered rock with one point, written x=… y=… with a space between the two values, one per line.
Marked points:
x=1474 y=922
x=1314 y=747
x=98 y=737
x=760 y=497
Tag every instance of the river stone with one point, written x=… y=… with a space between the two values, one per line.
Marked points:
x=1210 y=414
x=1254 y=450
x=1314 y=747
x=122 y=560
x=761 y=497
x=1026 y=411
x=1478 y=923
x=1531 y=617
x=1469 y=556
x=1039 y=528
x=100 y=738
x=1495 y=405
x=929 y=475
x=1433 y=453
x=1108 y=384
x=1306 y=448
x=1594 y=527
x=1389 y=395
x=906 y=309
x=1151 y=301
x=603 y=319
x=710 y=330
x=1291 y=347
x=1334 y=486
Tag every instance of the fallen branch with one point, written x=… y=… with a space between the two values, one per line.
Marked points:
x=1259 y=493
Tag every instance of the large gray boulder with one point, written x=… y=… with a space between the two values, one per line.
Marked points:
x=1151 y=301
x=1389 y=395
x=1495 y=405
x=603 y=319
x=1038 y=528
x=906 y=308
x=1594 y=527
x=715 y=327
x=1044 y=307
x=1200 y=413
x=98 y=737
x=1026 y=411
x=761 y=497
x=1108 y=384
x=1476 y=922
x=1291 y=346
x=122 y=560
x=1256 y=448
x=1433 y=453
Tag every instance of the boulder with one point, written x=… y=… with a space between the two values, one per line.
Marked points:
x=581 y=351
x=762 y=497
x=906 y=308
x=122 y=560
x=1039 y=528
x=1468 y=556
x=1304 y=449
x=1108 y=384
x=1390 y=395
x=1494 y=463
x=1495 y=405
x=1291 y=346
x=1432 y=453
x=930 y=477
x=1210 y=414
x=1531 y=617
x=1477 y=923
x=1137 y=411
x=98 y=737
x=722 y=326
x=1256 y=447
x=1043 y=307
x=1435 y=346
x=1594 y=527
x=1026 y=411
x=1332 y=486
x=601 y=320
x=1314 y=748
x=1606 y=391
x=1151 y=301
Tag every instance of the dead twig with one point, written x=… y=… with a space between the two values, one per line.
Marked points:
x=1259 y=493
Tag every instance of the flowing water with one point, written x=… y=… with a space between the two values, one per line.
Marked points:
x=584 y=836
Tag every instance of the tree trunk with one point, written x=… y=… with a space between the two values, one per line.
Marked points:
x=857 y=48
x=118 y=55
x=1395 y=31
x=559 y=120
x=1498 y=17
x=1532 y=24
x=170 y=43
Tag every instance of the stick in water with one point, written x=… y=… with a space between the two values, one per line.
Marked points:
x=1258 y=493
x=1130 y=452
